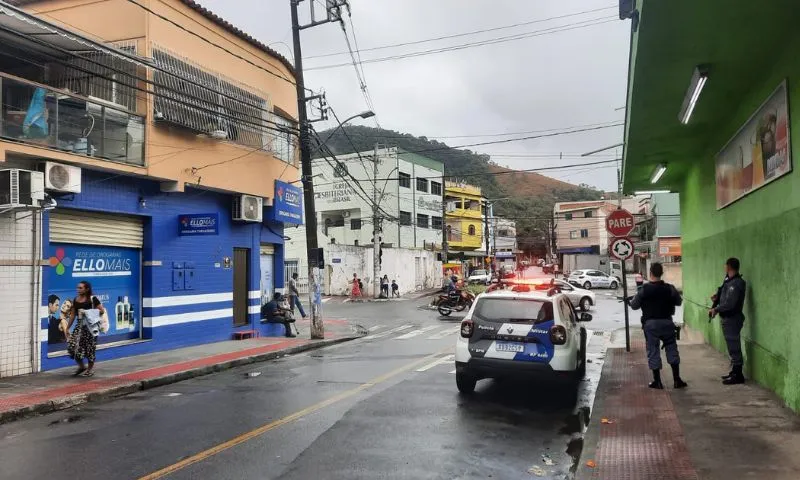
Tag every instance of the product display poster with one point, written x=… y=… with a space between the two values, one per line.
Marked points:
x=115 y=276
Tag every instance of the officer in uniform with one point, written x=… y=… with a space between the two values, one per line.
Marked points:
x=728 y=304
x=658 y=301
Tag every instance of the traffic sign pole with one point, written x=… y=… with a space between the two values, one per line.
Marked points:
x=625 y=303
x=620 y=223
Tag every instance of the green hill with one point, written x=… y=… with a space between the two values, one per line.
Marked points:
x=531 y=195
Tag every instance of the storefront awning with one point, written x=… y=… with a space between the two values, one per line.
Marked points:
x=594 y=249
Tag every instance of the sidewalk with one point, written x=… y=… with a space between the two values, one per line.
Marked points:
x=57 y=389
x=707 y=431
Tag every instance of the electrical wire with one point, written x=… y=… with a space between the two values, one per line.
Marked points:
x=474 y=32
x=537 y=33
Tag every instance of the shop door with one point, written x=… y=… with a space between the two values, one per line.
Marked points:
x=241 y=272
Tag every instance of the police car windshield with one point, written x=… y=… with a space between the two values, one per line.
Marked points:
x=512 y=310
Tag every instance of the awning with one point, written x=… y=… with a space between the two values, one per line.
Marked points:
x=594 y=249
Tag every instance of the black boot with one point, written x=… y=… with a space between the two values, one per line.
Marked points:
x=656 y=383
x=676 y=376
x=725 y=377
x=736 y=378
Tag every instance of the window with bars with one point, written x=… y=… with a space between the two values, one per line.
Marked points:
x=211 y=104
x=422 y=221
x=355 y=224
x=405 y=218
x=587 y=214
x=436 y=188
x=404 y=179
x=436 y=222
x=422 y=185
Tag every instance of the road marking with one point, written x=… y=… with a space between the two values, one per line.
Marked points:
x=325 y=300
x=438 y=361
x=445 y=333
x=198 y=457
x=414 y=333
x=389 y=332
x=375 y=327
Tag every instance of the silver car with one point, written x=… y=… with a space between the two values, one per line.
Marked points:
x=580 y=298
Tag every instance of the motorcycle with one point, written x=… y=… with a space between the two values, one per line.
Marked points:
x=458 y=301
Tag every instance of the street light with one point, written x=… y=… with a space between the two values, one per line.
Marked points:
x=366 y=114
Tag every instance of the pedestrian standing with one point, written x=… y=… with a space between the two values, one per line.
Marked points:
x=385 y=286
x=83 y=341
x=355 y=290
x=729 y=305
x=395 y=289
x=658 y=301
x=294 y=295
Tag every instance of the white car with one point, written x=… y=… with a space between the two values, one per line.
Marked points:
x=520 y=332
x=580 y=298
x=589 y=279
x=480 y=276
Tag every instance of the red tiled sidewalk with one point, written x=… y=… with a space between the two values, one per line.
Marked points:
x=50 y=391
x=645 y=439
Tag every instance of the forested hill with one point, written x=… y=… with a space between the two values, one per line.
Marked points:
x=531 y=195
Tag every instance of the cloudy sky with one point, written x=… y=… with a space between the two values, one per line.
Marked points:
x=556 y=73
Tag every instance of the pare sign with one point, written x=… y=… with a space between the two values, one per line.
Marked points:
x=620 y=223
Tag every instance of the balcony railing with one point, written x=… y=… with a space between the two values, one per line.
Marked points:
x=37 y=115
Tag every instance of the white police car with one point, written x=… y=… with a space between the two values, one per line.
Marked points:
x=521 y=331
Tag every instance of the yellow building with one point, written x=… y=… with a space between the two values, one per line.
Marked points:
x=464 y=217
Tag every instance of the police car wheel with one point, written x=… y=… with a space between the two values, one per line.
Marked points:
x=613 y=285
x=587 y=286
x=465 y=383
x=585 y=303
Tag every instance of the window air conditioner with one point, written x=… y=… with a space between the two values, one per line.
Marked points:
x=248 y=208
x=20 y=188
x=62 y=178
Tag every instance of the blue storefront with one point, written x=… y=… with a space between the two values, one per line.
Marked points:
x=172 y=269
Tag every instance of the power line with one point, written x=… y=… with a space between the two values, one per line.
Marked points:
x=168 y=20
x=474 y=32
x=360 y=75
x=537 y=33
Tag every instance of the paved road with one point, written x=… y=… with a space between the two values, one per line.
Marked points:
x=384 y=406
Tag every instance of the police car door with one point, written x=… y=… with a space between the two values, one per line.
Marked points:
x=512 y=329
x=570 y=320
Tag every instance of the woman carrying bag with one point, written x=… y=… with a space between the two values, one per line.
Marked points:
x=92 y=319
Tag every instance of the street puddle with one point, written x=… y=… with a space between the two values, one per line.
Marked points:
x=70 y=419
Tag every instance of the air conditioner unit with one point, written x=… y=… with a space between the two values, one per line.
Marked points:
x=62 y=178
x=248 y=208
x=20 y=188
x=345 y=214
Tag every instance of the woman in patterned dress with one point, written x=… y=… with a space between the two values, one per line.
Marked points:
x=82 y=344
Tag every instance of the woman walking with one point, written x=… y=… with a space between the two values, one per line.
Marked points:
x=82 y=342
x=385 y=286
x=355 y=291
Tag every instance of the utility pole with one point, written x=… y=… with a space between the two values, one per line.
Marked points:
x=445 y=240
x=376 y=229
x=486 y=229
x=312 y=250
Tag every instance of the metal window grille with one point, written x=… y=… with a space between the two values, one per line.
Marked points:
x=405 y=218
x=404 y=179
x=242 y=115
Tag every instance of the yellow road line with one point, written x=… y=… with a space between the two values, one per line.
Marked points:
x=283 y=421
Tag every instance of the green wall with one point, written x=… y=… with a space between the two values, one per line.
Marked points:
x=763 y=231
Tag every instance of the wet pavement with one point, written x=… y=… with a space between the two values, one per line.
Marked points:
x=384 y=406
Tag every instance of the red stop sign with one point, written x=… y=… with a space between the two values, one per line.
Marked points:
x=619 y=223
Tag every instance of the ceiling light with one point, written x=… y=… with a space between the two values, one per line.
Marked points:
x=650 y=192
x=658 y=172
x=698 y=81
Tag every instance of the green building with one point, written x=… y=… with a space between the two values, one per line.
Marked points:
x=713 y=93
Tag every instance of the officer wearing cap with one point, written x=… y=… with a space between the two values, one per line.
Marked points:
x=729 y=305
x=658 y=301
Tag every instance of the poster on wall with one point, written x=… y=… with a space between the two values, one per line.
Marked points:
x=759 y=153
x=288 y=203
x=114 y=274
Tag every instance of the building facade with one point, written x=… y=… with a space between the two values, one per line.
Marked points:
x=504 y=242
x=160 y=174
x=465 y=223
x=731 y=156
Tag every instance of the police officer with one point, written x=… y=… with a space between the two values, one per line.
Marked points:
x=728 y=304
x=658 y=301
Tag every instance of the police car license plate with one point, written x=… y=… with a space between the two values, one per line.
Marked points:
x=510 y=347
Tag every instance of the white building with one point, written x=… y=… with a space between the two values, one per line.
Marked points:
x=409 y=191
x=504 y=241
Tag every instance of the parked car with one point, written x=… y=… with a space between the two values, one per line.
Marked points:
x=579 y=297
x=480 y=276
x=520 y=333
x=589 y=279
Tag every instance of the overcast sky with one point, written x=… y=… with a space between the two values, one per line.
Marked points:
x=553 y=80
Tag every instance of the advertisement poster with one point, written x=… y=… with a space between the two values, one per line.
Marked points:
x=288 y=203
x=759 y=152
x=114 y=274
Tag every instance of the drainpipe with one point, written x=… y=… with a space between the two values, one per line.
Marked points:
x=35 y=290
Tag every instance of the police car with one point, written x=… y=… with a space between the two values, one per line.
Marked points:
x=521 y=331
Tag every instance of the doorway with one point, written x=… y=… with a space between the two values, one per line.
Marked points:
x=241 y=275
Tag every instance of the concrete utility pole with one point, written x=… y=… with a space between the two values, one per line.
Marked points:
x=312 y=251
x=376 y=229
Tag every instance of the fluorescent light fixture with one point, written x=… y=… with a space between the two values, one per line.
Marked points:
x=699 y=78
x=658 y=172
x=650 y=192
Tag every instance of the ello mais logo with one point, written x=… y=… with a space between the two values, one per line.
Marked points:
x=60 y=261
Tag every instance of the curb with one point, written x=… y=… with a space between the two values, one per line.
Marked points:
x=136 y=386
x=591 y=438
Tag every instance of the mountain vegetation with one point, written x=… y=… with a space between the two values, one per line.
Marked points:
x=527 y=197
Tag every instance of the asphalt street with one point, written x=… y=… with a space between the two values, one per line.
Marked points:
x=383 y=406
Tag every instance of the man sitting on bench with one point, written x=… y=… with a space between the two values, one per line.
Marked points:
x=271 y=312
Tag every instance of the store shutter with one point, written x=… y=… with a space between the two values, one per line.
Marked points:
x=91 y=228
